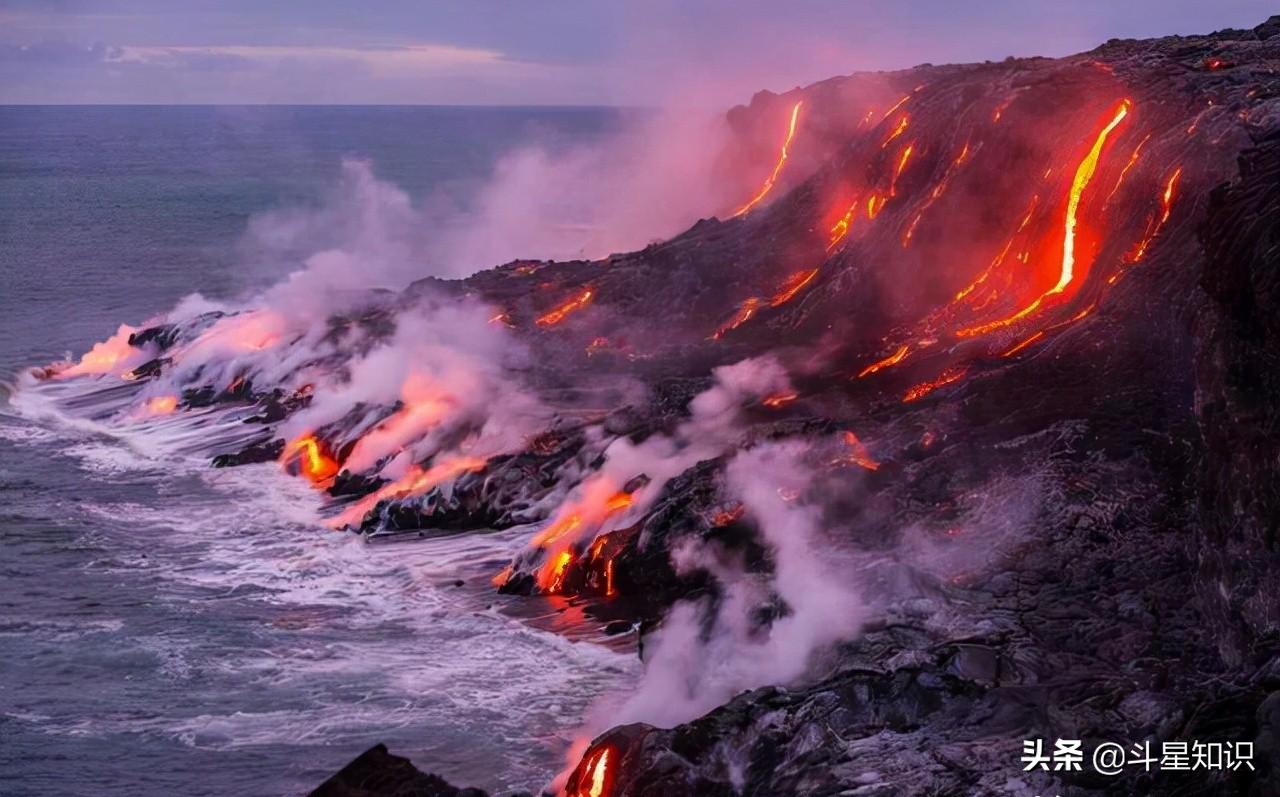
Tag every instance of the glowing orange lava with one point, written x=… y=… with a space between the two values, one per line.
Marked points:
x=936 y=193
x=552 y=579
x=1025 y=343
x=857 y=454
x=895 y=107
x=995 y=117
x=575 y=516
x=162 y=405
x=902 y=164
x=999 y=258
x=875 y=203
x=314 y=462
x=897 y=131
x=925 y=388
x=777 y=169
x=1153 y=227
x=416 y=482
x=793 y=285
x=745 y=311
x=595 y=782
x=113 y=355
x=779 y=399
x=892 y=359
x=841 y=228
x=1084 y=173
x=557 y=315
x=728 y=515
x=1132 y=160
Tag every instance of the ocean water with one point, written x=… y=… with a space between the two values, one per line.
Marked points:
x=171 y=629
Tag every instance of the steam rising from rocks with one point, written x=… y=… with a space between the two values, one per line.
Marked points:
x=694 y=666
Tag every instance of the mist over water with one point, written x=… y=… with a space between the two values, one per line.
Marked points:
x=173 y=629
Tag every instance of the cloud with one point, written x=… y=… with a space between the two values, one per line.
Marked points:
x=413 y=57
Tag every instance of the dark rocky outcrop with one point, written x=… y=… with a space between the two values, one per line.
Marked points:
x=378 y=773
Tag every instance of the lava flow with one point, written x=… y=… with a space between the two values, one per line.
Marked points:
x=1084 y=173
x=161 y=405
x=925 y=388
x=892 y=359
x=777 y=169
x=311 y=458
x=416 y=482
x=595 y=776
x=794 y=284
x=558 y=314
x=1153 y=228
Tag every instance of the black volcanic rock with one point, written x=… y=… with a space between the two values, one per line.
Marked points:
x=378 y=773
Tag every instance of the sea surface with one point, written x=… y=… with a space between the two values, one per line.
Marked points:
x=170 y=629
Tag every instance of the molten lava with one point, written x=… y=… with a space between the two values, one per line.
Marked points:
x=558 y=314
x=779 y=399
x=416 y=482
x=892 y=359
x=777 y=169
x=112 y=356
x=857 y=454
x=595 y=776
x=551 y=578
x=793 y=285
x=745 y=311
x=936 y=193
x=1133 y=158
x=902 y=164
x=897 y=131
x=925 y=388
x=1084 y=173
x=313 y=461
x=161 y=405
x=841 y=228
x=875 y=203
x=1153 y=226
x=596 y=506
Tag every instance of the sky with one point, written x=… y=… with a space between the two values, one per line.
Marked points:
x=533 y=52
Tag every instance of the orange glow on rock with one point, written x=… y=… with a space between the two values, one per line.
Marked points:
x=551 y=579
x=902 y=164
x=1133 y=158
x=875 y=203
x=1084 y=173
x=558 y=314
x=162 y=405
x=857 y=454
x=925 y=388
x=595 y=776
x=897 y=131
x=841 y=228
x=892 y=359
x=793 y=285
x=313 y=461
x=745 y=311
x=113 y=355
x=779 y=400
x=1153 y=226
x=416 y=482
x=777 y=169
x=1025 y=343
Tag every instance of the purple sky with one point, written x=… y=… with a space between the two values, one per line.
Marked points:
x=533 y=51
